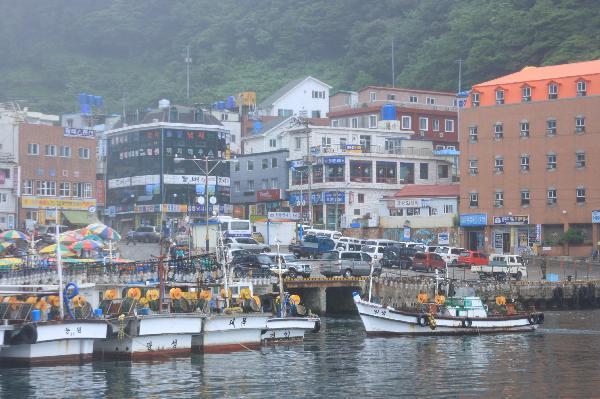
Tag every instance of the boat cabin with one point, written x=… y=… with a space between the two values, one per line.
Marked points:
x=470 y=306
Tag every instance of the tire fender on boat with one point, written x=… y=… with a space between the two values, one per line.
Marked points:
x=467 y=323
x=267 y=303
x=27 y=335
x=317 y=327
x=540 y=318
x=532 y=318
x=422 y=320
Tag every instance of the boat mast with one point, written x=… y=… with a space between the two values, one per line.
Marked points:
x=371 y=280
x=281 y=293
x=221 y=257
x=61 y=306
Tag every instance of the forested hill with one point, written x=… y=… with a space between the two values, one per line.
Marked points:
x=51 y=50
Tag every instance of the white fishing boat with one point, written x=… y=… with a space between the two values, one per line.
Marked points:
x=230 y=333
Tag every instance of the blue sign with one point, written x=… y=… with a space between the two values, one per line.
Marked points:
x=297 y=163
x=596 y=216
x=355 y=225
x=333 y=160
x=330 y=197
x=473 y=219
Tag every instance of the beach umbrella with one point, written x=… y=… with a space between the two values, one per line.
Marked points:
x=14 y=235
x=86 y=245
x=70 y=236
x=51 y=249
x=93 y=237
x=106 y=233
x=4 y=245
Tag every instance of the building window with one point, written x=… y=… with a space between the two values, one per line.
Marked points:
x=325 y=141
x=413 y=99
x=430 y=100
x=65 y=151
x=524 y=163
x=87 y=190
x=423 y=124
x=449 y=125
x=443 y=171
x=372 y=96
x=275 y=183
x=391 y=97
x=551 y=161
x=342 y=143
x=27 y=187
x=499 y=165
x=50 y=150
x=335 y=123
x=357 y=212
x=236 y=166
x=250 y=185
x=580 y=162
x=436 y=125
x=473 y=169
x=580 y=195
x=360 y=171
x=552 y=91
x=272 y=143
x=361 y=198
x=33 y=149
x=551 y=196
x=525 y=197
x=77 y=190
x=386 y=172
x=474 y=200
x=264 y=184
x=284 y=112
x=250 y=165
x=315 y=114
x=372 y=121
x=47 y=188
x=334 y=173
x=265 y=163
x=298 y=142
x=524 y=129
x=499 y=199
x=448 y=208
x=581 y=88
x=551 y=127
x=84 y=153
x=64 y=189
x=526 y=94
x=498 y=131
x=318 y=94
x=396 y=211
x=432 y=211
x=475 y=99
x=354 y=123
x=424 y=171
x=273 y=162
x=473 y=134
x=237 y=186
x=499 y=96
x=580 y=124
x=413 y=211
x=406 y=122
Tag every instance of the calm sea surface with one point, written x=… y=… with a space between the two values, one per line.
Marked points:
x=560 y=360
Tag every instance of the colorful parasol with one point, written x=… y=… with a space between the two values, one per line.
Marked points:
x=14 y=235
x=105 y=232
x=4 y=245
x=10 y=261
x=70 y=236
x=85 y=245
x=51 y=249
x=93 y=237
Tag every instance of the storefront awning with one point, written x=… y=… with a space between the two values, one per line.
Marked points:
x=81 y=218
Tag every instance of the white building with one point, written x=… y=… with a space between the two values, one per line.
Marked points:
x=232 y=123
x=308 y=97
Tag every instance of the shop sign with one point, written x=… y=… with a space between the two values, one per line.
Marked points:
x=85 y=133
x=100 y=192
x=473 y=219
x=51 y=203
x=596 y=216
x=354 y=148
x=297 y=163
x=330 y=197
x=443 y=238
x=333 y=160
x=511 y=220
x=146 y=208
x=119 y=182
x=538 y=233
x=407 y=203
x=272 y=194
x=498 y=240
x=406 y=234
x=283 y=215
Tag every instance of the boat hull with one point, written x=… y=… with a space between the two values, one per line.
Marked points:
x=150 y=337
x=231 y=333
x=379 y=320
x=289 y=329
x=52 y=342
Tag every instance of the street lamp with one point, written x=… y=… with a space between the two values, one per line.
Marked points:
x=206 y=171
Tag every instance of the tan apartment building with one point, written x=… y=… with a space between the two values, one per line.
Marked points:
x=530 y=144
x=58 y=169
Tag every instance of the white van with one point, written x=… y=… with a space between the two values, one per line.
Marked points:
x=450 y=254
x=379 y=243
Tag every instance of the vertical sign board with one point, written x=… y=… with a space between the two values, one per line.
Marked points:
x=596 y=216
x=443 y=238
x=406 y=235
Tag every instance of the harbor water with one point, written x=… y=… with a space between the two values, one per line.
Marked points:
x=562 y=359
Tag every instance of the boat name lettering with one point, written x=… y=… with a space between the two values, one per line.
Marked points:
x=71 y=333
x=149 y=345
x=174 y=344
x=377 y=311
x=243 y=321
x=286 y=334
x=232 y=322
x=272 y=334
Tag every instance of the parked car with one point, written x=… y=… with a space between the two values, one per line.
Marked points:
x=375 y=251
x=348 y=246
x=247 y=243
x=470 y=258
x=398 y=256
x=450 y=254
x=428 y=262
x=259 y=265
x=146 y=234
x=291 y=265
x=431 y=248
x=501 y=266
x=312 y=246
x=347 y=264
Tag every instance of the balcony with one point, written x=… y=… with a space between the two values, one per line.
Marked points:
x=351 y=149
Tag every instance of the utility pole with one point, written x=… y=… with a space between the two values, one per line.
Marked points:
x=393 y=68
x=459 y=74
x=188 y=61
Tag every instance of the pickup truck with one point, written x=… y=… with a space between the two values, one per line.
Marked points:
x=347 y=264
x=312 y=247
x=502 y=266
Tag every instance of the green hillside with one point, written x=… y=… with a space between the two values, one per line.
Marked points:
x=52 y=50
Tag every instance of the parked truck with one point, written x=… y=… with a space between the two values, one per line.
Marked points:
x=501 y=267
x=312 y=246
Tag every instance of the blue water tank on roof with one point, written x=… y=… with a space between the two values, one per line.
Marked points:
x=90 y=99
x=388 y=112
x=258 y=126
x=221 y=105
x=230 y=103
x=82 y=98
x=85 y=108
x=98 y=101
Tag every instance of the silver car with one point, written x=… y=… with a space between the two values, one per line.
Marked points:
x=247 y=243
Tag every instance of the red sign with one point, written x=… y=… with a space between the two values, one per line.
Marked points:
x=272 y=194
x=100 y=192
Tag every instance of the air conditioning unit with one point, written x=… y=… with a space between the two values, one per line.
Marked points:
x=580 y=164
x=499 y=168
x=498 y=203
x=524 y=167
x=551 y=201
x=499 y=135
x=579 y=129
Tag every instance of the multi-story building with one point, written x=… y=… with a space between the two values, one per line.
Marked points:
x=308 y=97
x=529 y=160
x=431 y=115
x=57 y=170
x=146 y=185
x=258 y=184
